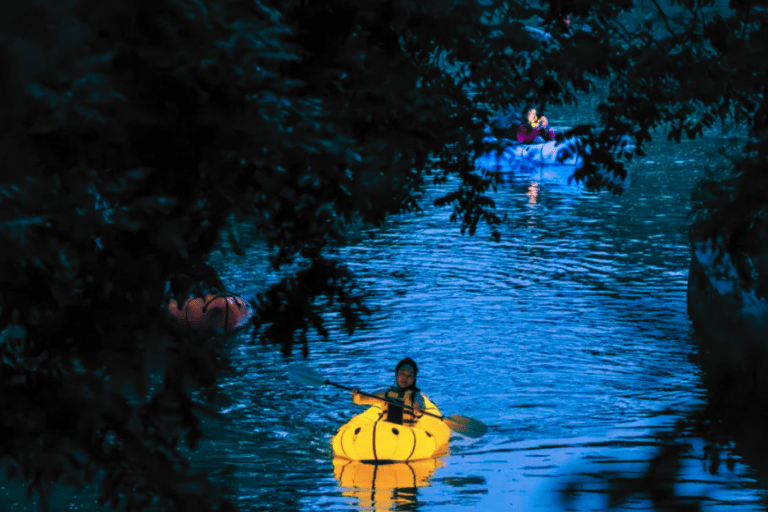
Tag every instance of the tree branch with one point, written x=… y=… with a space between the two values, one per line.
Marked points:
x=664 y=17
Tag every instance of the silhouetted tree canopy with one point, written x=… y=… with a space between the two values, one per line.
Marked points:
x=132 y=131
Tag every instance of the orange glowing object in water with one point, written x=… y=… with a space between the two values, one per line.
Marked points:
x=214 y=311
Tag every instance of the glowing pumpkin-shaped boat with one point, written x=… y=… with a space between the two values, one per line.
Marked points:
x=368 y=438
x=222 y=311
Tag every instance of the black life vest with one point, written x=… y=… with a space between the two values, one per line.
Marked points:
x=396 y=412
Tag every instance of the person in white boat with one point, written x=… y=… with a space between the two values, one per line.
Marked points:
x=404 y=392
x=534 y=128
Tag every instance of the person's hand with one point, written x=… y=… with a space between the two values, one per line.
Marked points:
x=355 y=394
x=417 y=411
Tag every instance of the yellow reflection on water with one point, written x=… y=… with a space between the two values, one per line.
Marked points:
x=384 y=486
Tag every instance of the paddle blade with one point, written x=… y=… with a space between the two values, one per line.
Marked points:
x=466 y=426
x=306 y=376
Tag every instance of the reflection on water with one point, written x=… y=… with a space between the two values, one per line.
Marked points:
x=569 y=339
x=384 y=486
x=533 y=192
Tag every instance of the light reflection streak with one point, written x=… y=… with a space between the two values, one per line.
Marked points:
x=533 y=193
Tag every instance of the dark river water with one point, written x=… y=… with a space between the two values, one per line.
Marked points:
x=569 y=339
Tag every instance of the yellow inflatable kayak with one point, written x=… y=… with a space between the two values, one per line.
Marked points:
x=367 y=438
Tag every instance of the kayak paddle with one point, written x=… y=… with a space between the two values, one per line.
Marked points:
x=462 y=424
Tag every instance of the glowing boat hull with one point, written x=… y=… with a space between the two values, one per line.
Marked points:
x=367 y=438
x=214 y=311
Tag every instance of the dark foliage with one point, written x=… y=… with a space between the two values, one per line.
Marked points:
x=131 y=131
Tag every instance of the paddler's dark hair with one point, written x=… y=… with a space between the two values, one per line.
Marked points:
x=408 y=361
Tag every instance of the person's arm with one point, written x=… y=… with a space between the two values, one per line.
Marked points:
x=547 y=134
x=366 y=400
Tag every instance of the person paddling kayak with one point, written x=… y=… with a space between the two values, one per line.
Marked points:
x=536 y=127
x=404 y=392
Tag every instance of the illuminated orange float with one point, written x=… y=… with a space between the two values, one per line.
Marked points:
x=222 y=311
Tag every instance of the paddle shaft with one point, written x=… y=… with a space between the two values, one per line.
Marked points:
x=461 y=424
x=384 y=399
